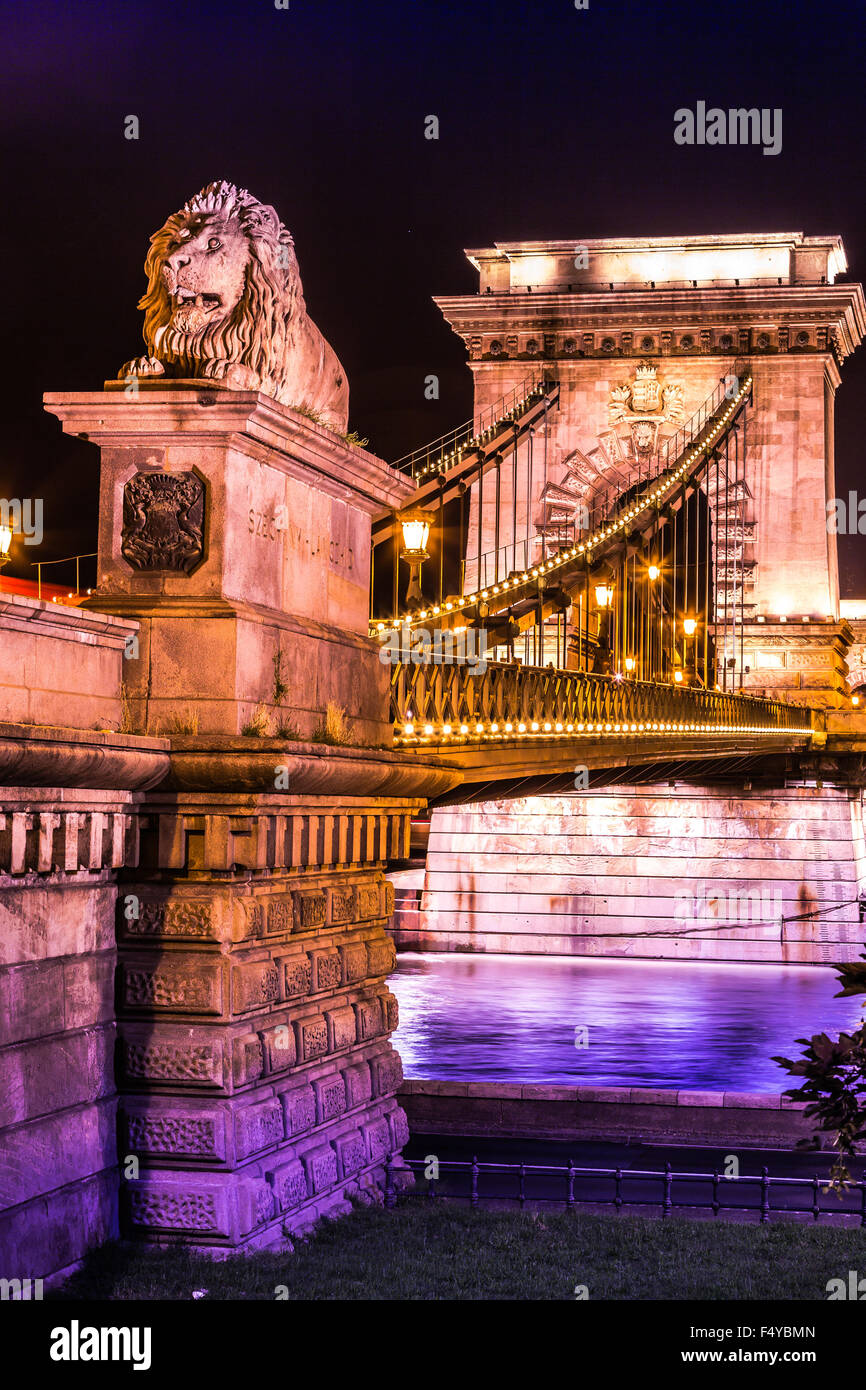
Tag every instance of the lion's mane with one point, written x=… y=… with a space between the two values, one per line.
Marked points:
x=259 y=332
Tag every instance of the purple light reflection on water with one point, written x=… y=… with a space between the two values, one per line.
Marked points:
x=650 y=1023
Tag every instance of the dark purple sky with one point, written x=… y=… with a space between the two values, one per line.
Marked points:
x=553 y=123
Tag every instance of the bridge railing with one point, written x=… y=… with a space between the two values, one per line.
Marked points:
x=453 y=702
x=442 y=453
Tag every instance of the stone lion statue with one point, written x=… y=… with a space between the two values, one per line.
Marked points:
x=224 y=301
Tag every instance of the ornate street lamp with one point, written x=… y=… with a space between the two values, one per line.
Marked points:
x=5 y=544
x=415 y=525
x=604 y=595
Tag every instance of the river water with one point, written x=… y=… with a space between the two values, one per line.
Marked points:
x=557 y=1020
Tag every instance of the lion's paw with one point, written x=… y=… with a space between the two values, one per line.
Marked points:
x=141 y=366
x=232 y=374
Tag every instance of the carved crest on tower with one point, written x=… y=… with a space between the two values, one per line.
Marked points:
x=645 y=398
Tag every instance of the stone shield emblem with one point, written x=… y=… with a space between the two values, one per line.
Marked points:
x=163 y=521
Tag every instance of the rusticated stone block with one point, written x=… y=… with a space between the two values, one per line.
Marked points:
x=178 y=1133
x=299 y=1108
x=330 y=1094
x=359 y=1085
x=387 y=1073
x=399 y=1129
x=280 y=914
x=258 y=1127
x=297 y=974
x=248 y=1059
x=354 y=962
x=391 y=1011
x=369 y=901
x=193 y=1063
x=312 y=1038
x=254 y=984
x=256 y=1204
x=289 y=1182
x=369 y=1016
x=377 y=1136
x=351 y=1153
x=327 y=970
x=280 y=1049
x=342 y=905
x=341 y=1028
x=321 y=1167
x=182 y=1206
x=179 y=987
x=381 y=956
x=181 y=917
x=310 y=909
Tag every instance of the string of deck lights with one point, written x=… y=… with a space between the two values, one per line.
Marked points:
x=584 y=547
x=441 y=464
x=494 y=731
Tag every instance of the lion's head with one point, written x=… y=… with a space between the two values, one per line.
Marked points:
x=224 y=301
x=222 y=282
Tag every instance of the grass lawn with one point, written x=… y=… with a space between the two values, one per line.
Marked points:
x=452 y=1252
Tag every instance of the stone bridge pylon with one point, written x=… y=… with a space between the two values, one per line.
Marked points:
x=638 y=332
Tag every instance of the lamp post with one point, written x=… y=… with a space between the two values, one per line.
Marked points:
x=6 y=534
x=690 y=626
x=415 y=526
x=604 y=603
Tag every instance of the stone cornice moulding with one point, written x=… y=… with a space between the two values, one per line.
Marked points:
x=841 y=308
x=44 y=756
x=75 y=624
x=162 y=415
x=219 y=763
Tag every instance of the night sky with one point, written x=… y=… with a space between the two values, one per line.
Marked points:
x=554 y=122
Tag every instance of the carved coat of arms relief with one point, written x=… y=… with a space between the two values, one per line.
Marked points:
x=643 y=405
